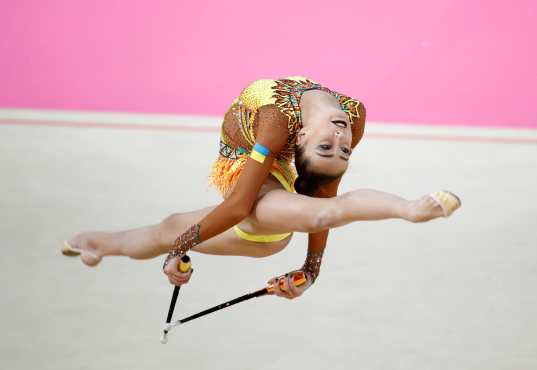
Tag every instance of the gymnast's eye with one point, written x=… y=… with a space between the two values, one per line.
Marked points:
x=325 y=146
x=345 y=150
x=340 y=123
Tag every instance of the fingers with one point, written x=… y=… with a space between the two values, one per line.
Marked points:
x=294 y=291
x=272 y=282
x=171 y=265
x=176 y=277
x=283 y=287
x=175 y=281
x=297 y=291
x=284 y=284
x=276 y=286
x=181 y=275
x=179 y=278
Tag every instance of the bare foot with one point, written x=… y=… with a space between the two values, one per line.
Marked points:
x=424 y=209
x=89 y=253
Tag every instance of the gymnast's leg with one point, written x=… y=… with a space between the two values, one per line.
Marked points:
x=153 y=240
x=279 y=211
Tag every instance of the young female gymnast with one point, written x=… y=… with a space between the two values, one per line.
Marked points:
x=272 y=124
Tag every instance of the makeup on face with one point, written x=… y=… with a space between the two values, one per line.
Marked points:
x=340 y=123
x=335 y=143
x=328 y=150
x=340 y=119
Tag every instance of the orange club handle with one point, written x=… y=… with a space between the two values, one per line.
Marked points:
x=298 y=279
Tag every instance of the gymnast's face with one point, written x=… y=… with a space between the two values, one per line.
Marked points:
x=326 y=142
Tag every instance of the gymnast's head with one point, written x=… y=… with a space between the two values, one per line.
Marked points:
x=323 y=145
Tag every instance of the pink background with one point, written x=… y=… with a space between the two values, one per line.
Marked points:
x=463 y=62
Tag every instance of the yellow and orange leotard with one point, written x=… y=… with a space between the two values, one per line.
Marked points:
x=239 y=128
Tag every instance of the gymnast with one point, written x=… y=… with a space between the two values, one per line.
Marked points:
x=284 y=147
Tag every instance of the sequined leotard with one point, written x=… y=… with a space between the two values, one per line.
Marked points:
x=238 y=134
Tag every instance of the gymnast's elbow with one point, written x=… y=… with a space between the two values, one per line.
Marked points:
x=241 y=213
x=238 y=209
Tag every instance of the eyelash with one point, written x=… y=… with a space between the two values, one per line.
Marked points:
x=338 y=123
x=328 y=147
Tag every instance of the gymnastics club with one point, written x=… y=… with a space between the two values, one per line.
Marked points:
x=298 y=280
x=184 y=266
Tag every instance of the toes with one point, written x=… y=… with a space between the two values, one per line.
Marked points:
x=448 y=201
x=434 y=207
x=456 y=198
x=68 y=250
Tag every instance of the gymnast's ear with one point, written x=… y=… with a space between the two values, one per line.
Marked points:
x=301 y=137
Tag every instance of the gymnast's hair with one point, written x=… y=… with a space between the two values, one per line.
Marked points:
x=308 y=181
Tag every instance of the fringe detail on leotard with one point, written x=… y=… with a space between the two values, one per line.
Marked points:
x=225 y=172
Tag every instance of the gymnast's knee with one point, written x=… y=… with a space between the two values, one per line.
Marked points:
x=322 y=219
x=169 y=228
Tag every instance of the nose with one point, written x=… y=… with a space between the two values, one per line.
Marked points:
x=338 y=133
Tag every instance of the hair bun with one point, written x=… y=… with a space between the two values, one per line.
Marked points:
x=302 y=186
x=299 y=185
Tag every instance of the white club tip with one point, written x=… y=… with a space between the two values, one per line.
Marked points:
x=164 y=339
x=168 y=326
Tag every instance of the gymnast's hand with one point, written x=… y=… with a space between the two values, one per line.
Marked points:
x=176 y=277
x=284 y=287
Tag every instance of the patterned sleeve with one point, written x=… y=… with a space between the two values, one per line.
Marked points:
x=257 y=94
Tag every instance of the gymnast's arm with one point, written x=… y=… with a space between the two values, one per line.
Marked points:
x=317 y=241
x=272 y=134
x=283 y=286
